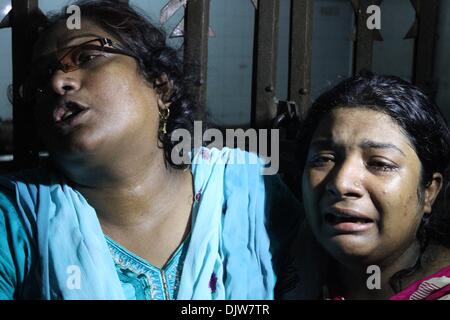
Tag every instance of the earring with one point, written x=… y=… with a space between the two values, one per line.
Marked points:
x=164 y=112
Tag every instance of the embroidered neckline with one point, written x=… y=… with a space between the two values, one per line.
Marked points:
x=115 y=246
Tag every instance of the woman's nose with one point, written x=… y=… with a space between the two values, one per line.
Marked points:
x=63 y=83
x=347 y=179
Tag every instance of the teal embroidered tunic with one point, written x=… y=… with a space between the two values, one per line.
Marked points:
x=143 y=281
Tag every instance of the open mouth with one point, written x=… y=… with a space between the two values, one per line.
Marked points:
x=348 y=221
x=340 y=217
x=66 y=112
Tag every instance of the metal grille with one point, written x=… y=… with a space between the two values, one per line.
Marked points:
x=265 y=106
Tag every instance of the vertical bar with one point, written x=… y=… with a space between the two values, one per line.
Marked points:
x=425 y=44
x=264 y=63
x=364 y=37
x=196 y=45
x=300 y=54
x=25 y=149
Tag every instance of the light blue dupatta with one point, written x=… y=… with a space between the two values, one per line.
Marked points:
x=228 y=253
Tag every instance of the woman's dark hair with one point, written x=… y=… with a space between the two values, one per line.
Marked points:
x=420 y=120
x=155 y=60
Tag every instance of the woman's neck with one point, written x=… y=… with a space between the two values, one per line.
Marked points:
x=127 y=194
x=364 y=283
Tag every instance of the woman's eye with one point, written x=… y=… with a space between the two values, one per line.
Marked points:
x=83 y=57
x=322 y=160
x=382 y=166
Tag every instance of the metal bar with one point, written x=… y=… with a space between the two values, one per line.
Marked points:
x=425 y=44
x=364 y=37
x=300 y=54
x=196 y=46
x=25 y=149
x=264 y=64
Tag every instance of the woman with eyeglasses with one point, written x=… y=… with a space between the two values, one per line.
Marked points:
x=375 y=160
x=114 y=216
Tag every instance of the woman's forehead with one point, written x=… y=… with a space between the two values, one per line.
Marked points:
x=354 y=125
x=356 y=118
x=59 y=37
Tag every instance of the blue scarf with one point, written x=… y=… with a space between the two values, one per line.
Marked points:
x=228 y=254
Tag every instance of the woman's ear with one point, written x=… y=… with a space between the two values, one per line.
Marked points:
x=164 y=87
x=432 y=191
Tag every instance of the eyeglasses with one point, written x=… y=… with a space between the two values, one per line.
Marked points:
x=84 y=55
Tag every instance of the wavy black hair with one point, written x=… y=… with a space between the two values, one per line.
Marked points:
x=155 y=59
x=421 y=121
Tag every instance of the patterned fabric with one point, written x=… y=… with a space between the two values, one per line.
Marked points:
x=434 y=287
x=141 y=280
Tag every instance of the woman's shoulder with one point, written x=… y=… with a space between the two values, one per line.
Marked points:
x=11 y=224
x=16 y=248
x=432 y=280
x=18 y=231
x=435 y=286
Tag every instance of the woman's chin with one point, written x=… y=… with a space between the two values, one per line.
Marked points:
x=76 y=144
x=351 y=248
